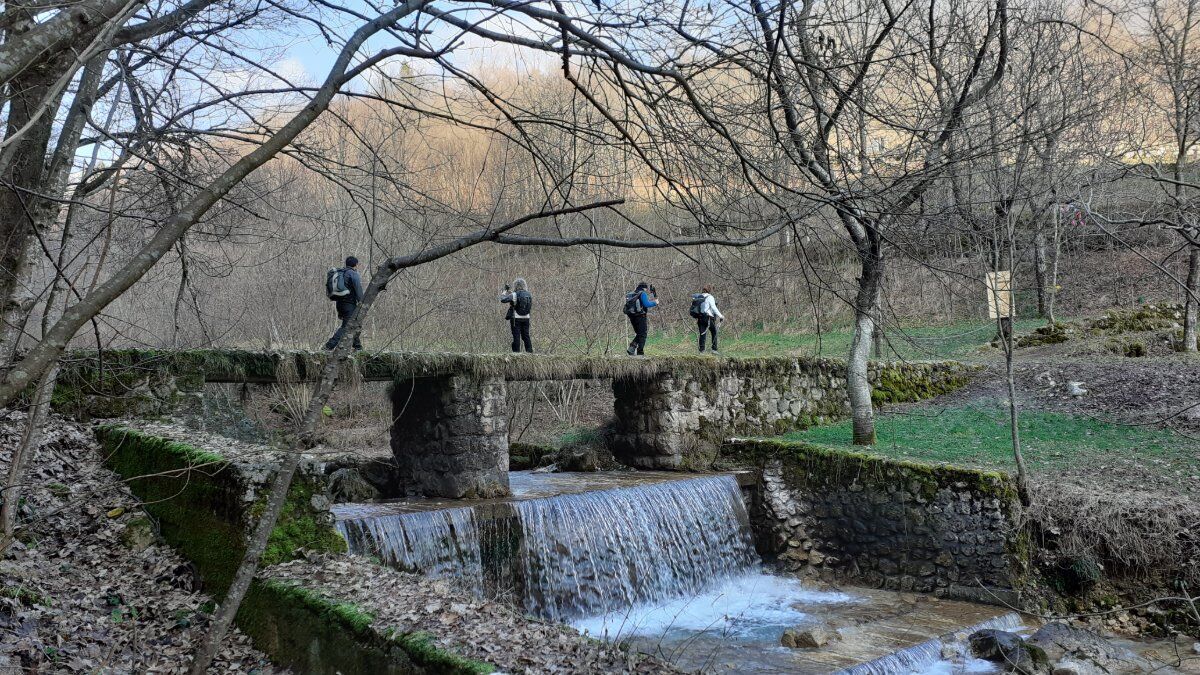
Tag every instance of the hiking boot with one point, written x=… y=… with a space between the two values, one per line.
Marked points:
x=630 y=351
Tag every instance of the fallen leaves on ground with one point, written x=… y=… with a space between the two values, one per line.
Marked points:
x=76 y=593
x=459 y=621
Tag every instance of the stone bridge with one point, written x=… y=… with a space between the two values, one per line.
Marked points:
x=449 y=431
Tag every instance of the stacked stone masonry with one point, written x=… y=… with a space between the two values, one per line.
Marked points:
x=887 y=524
x=449 y=433
x=450 y=436
x=678 y=421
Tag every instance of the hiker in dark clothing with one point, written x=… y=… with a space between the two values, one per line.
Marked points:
x=520 y=304
x=705 y=311
x=344 y=287
x=637 y=304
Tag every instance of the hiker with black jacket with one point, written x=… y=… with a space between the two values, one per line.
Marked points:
x=704 y=311
x=520 y=304
x=344 y=286
x=637 y=304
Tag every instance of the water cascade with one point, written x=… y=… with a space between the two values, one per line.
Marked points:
x=668 y=566
x=439 y=543
x=596 y=552
x=573 y=555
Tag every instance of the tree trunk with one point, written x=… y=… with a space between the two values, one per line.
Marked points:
x=866 y=305
x=1055 y=255
x=22 y=455
x=1014 y=422
x=1040 y=272
x=1189 y=305
x=23 y=177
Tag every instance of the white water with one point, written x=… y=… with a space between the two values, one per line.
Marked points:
x=581 y=554
x=599 y=552
x=669 y=567
x=746 y=606
x=437 y=543
x=926 y=657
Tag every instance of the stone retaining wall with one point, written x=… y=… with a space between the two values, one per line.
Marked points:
x=206 y=504
x=678 y=420
x=890 y=524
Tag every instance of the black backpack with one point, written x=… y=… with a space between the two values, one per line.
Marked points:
x=697 y=308
x=336 y=287
x=523 y=303
x=633 y=304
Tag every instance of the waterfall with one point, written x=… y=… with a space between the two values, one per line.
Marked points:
x=573 y=555
x=920 y=657
x=596 y=552
x=444 y=542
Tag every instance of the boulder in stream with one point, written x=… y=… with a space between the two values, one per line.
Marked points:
x=1009 y=650
x=811 y=637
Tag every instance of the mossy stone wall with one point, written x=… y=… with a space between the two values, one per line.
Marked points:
x=678 y=420
x=890 y=524
x=206 y=507
x=309 y=635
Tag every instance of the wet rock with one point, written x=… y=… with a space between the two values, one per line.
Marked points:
x=348 y=485
x=578 y=459
x=1009 y=650
x=808 y=638
x=1062 y=641
x=1071 y=666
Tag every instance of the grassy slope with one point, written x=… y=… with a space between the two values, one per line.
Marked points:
x=924 y=342
x=980 y=437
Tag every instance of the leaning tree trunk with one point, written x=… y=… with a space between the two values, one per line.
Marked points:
x=22 y=455
x=1190 y=304
x=866 y=306
x=277 y=494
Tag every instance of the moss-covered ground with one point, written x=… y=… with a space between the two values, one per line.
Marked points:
x=979 y=437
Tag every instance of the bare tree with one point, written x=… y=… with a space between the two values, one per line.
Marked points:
x=791 y=81
x=1172 y=61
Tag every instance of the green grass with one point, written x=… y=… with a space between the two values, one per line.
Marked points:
x=980 y=437
x=919 y=342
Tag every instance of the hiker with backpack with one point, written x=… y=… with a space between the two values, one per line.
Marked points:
x=637 y=304
x=520 y=304
x=704 y=311
x=343 y=285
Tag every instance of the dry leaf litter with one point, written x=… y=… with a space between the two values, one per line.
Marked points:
x=88 y=587
x=459 y=621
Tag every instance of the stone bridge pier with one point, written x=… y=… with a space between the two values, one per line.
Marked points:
x=450 y=436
